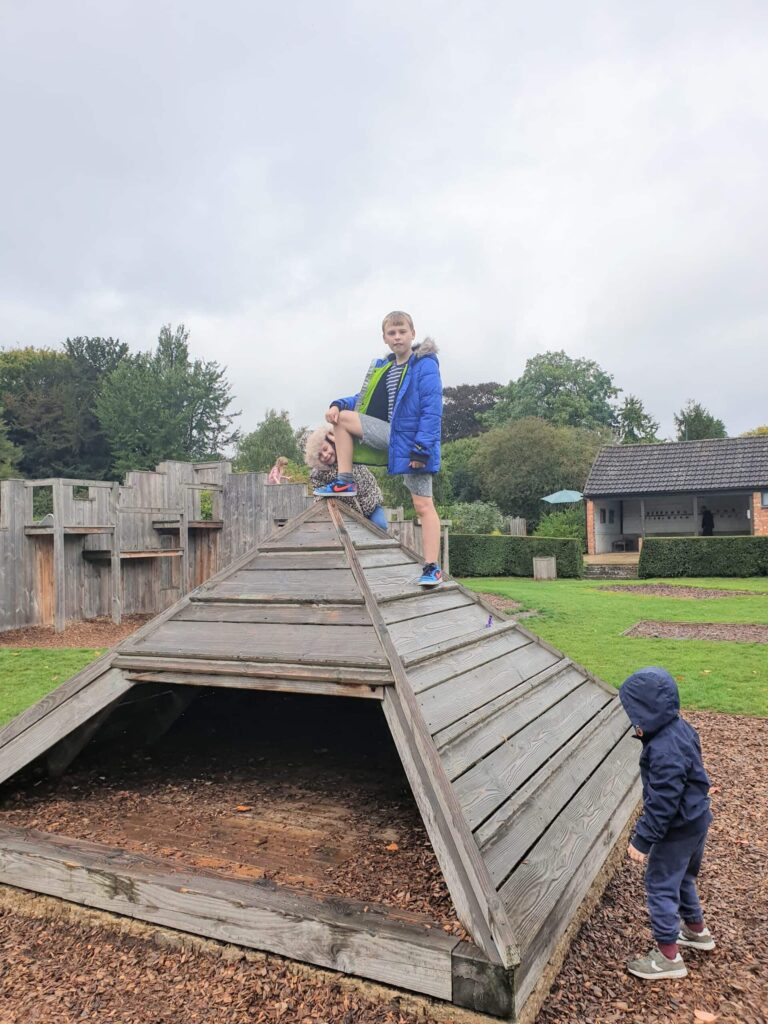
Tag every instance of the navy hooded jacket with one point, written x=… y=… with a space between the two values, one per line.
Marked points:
x=675 y=785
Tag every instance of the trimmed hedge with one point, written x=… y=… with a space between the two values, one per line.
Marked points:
x=484 y=555
x=704 y=556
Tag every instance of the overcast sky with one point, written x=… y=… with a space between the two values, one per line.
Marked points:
x=581 y=176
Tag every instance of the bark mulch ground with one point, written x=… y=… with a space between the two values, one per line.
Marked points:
x=233 y=790
x=94 y=633
x=730 y=983
x=735 y=632
x=672 y=590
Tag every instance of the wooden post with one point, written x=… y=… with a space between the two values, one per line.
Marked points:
x=115 y=570
x=446 y=556
x=642 y=516
x=59 y=579
x=695 y=515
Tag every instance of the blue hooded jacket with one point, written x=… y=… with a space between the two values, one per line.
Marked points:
x=675 y=785
x=416 y=422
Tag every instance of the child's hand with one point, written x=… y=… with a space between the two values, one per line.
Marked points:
x=332 y=416
x=635 y=854
x=416 y=465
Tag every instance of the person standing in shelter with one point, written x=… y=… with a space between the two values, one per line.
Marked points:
x=320 y=456
x=396 y=419
x=671 y=832
x=277 y=474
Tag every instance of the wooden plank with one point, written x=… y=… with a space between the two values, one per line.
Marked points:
x=543 y=945
x=229 y=611
x=459 y=858
x=522 y=705
x=534 y=887
x=480 y=985
x=159 y=553
x=393 y=948
x=480 y=636
x=304 y=644
x=61 y=720
x=513 y=829
x=422 y=634
x=315 y=586
x=488 y=689
x=489 y=783
x=497 y=684
x=59 y=578
x=267 y=684
x=424 y=604
x=452 y=661
x=310 y=559
x=115 y=571
x=256 y=670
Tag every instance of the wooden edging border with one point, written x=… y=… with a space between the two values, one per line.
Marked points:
x=367 y=940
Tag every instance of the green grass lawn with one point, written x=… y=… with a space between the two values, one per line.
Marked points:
x=586 y=622
x=27 y=674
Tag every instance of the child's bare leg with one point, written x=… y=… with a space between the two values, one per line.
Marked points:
x=430 y=527
x=346 y=429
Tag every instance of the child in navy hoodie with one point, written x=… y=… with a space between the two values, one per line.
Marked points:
x=671 y=831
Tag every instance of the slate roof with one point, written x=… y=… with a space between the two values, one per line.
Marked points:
x=730 y=464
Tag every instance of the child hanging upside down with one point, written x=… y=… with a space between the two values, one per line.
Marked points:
x=398 y=411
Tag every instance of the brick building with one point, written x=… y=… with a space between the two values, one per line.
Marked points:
x=674 y=489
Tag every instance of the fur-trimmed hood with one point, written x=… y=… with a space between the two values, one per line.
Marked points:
x=428 y=347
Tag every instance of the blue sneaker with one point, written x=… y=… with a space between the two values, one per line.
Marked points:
x=431 y=576
x=336 y=489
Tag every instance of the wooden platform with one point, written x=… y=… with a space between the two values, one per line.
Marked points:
x=520 y=762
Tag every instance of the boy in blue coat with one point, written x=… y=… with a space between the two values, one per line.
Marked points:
x=671 y=831
x=395 y=420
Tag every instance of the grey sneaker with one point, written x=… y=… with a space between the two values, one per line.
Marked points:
x=696 y=940
x=655 y=965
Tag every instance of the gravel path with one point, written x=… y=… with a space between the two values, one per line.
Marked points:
x=735 y=632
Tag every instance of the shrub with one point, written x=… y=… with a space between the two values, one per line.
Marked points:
x=704 y=556
x=473 y=516
x=567 y=522
x=478 y=555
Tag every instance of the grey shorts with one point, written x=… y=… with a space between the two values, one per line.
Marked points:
x=376 y=434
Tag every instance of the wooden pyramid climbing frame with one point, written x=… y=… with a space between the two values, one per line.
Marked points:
x=522 y=764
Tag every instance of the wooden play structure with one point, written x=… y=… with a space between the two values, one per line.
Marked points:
x=110 y=549
x=522 y=765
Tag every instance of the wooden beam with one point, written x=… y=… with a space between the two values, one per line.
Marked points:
x=480 y=985
x=59 y=578
x=115 y=572
x=255 y=670
x=61 y=719
x=469 y=883
x=393 y=947
x=269 y=684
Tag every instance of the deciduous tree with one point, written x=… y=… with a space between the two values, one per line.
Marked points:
x=564 y=391
x=273 y=436
x=9 y=453
x=518 y=463
x=463 y=406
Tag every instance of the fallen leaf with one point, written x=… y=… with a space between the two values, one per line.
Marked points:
x=704 y=1016
x=241 y=808
x=392 y=847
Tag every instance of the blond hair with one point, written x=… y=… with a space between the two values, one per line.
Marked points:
x=315 y=442
x=397 y=316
